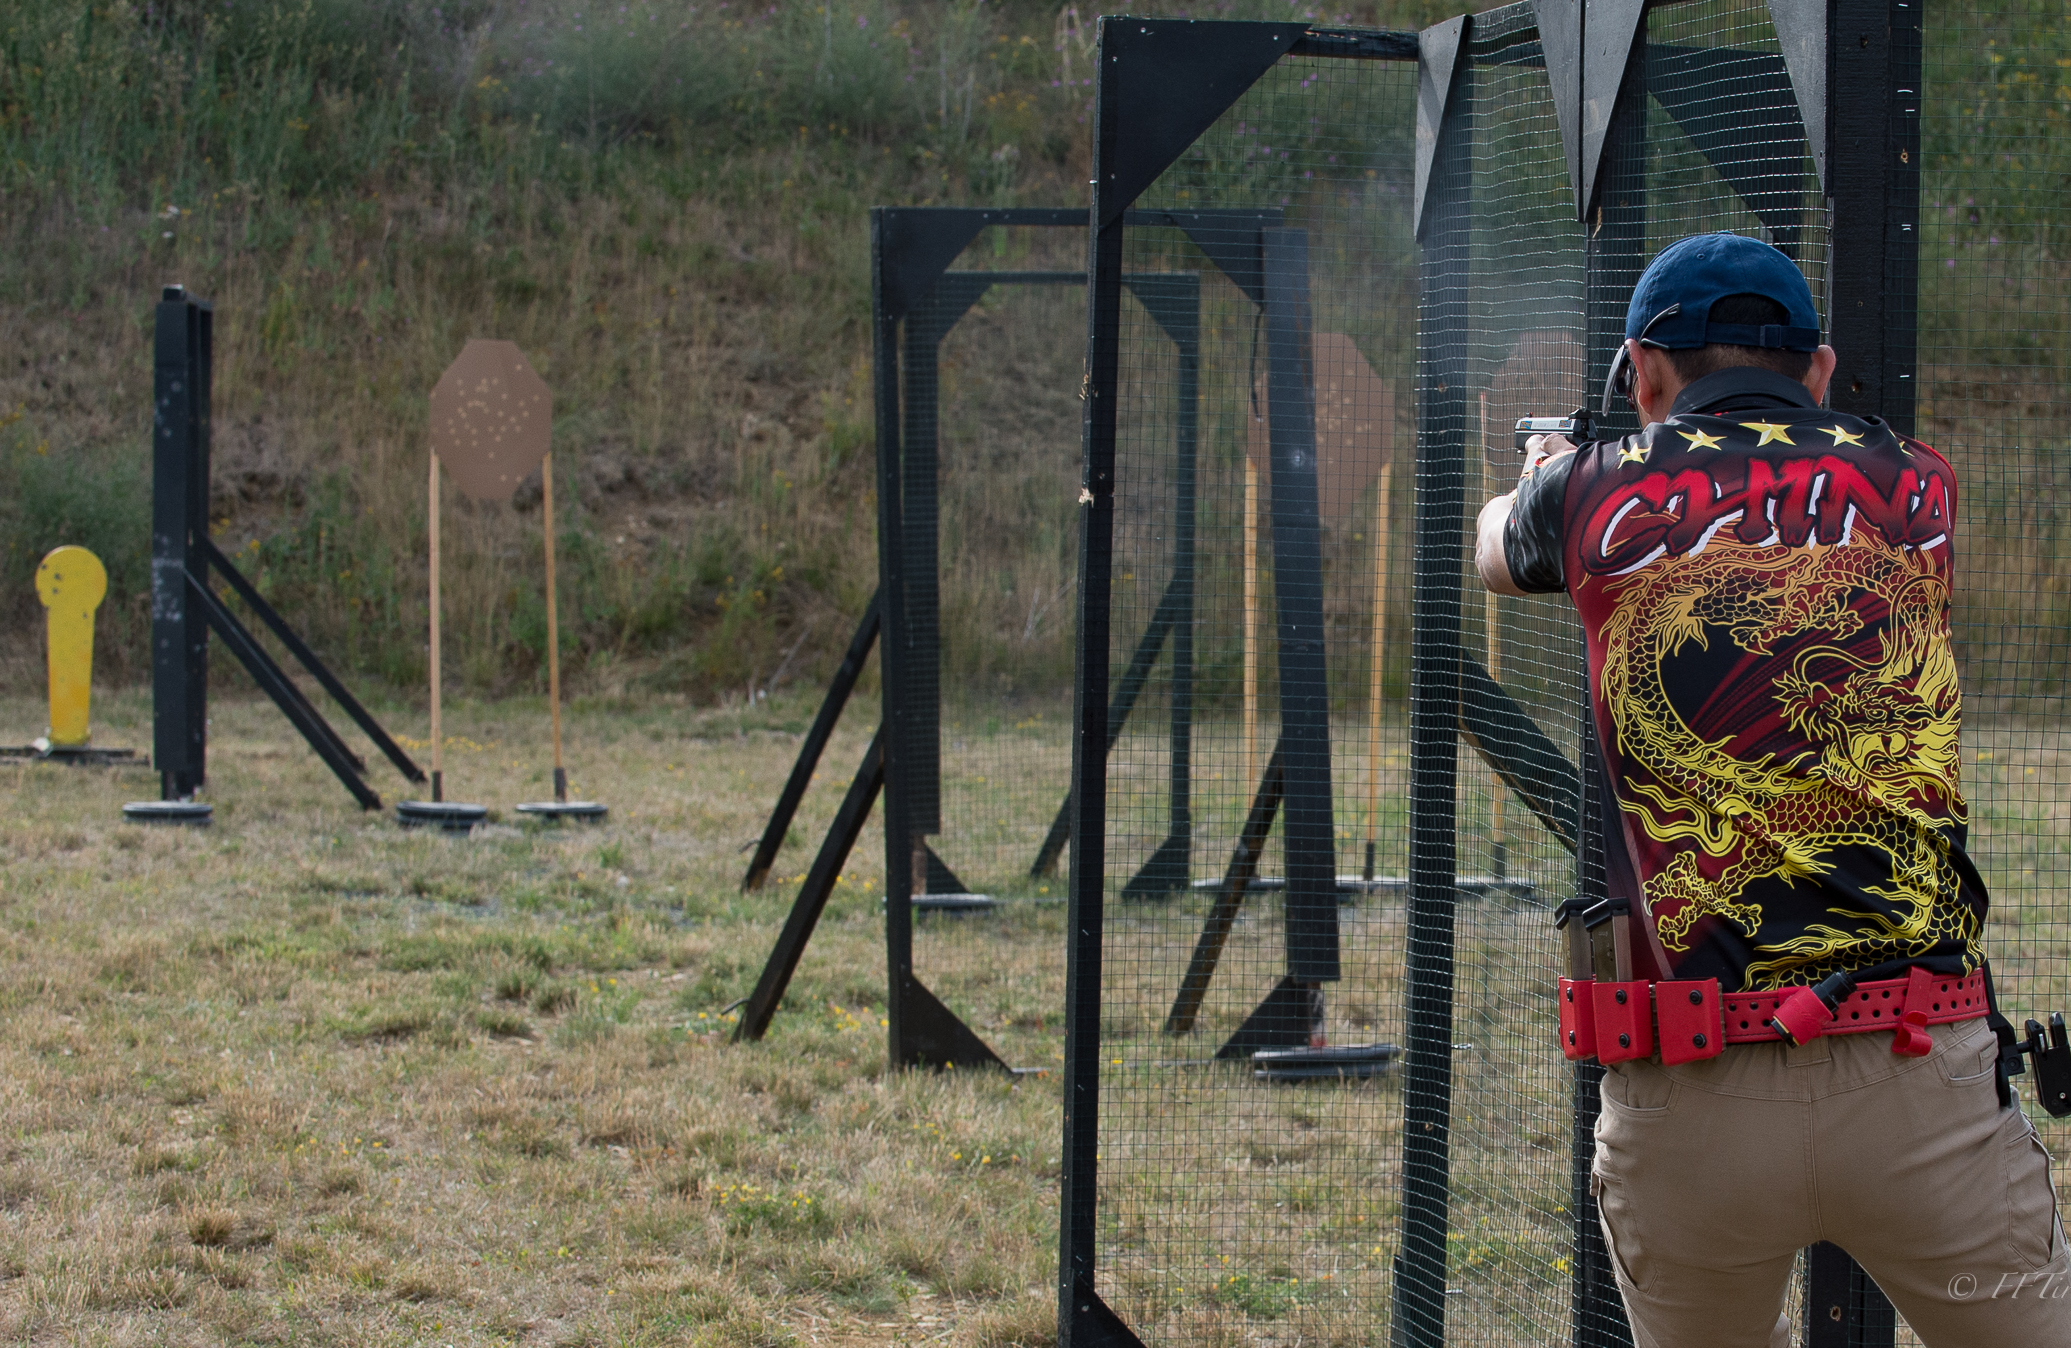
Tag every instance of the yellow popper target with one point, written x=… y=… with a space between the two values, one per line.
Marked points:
x=71 y=582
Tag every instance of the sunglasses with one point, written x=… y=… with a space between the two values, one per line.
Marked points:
x=1619 y=380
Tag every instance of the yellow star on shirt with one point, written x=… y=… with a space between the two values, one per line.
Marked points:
x=1632 y=451
x=1699 y=440
x=1842 y=437
x=1770 y=431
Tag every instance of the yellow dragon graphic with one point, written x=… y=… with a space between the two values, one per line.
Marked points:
x=1885 y=731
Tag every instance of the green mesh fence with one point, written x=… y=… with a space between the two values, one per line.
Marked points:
x=1353 y=868
x=1994 y=313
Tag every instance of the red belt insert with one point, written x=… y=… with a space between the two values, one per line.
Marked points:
x=1617 y=1022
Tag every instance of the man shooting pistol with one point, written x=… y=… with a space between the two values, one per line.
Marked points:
x=1787 y=984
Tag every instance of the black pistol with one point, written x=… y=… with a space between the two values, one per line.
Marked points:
x=1575 y=426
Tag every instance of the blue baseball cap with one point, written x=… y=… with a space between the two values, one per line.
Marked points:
x=1691 y=275
x=1671 y=306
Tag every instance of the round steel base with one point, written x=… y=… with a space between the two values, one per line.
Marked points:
x=450 y=816
x=191 y=813
x=1347 y=1062
x=587 y=811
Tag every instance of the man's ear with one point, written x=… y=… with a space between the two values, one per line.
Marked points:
x=1821 y=374
x=1654 y=382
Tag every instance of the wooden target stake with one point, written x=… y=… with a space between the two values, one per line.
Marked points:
x=1250 y=756
x=546 y=486
x=490 y=423
x=438 y=740
x=1383 y=485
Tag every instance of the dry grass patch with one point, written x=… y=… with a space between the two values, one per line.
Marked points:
x=303 y=1078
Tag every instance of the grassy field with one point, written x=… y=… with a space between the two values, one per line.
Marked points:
x=306 y=1078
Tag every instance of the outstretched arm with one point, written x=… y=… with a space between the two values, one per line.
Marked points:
x=1491 y=553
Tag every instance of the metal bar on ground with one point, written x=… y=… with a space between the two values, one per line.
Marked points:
x=1229 y=901
x=814 y=893
x=276 y=685
x=1134 y=677
x=307 y=658
x=838 y=690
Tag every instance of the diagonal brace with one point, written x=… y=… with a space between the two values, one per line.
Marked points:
x=276 y=684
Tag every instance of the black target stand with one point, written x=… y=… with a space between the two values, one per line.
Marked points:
x=917 y=301
x=185 y=607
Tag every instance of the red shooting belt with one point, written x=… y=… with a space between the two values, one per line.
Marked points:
x=1617 y=1022
x=1904 y=1005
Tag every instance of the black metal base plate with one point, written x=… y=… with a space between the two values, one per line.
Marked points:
x=587 y=811
x=450 y=816
x=957 y=904
x=1343 y=1062
x=1165 y=874
x=76 y=756
x=1350 y=887
x=1291 y=1016
x=191 y=813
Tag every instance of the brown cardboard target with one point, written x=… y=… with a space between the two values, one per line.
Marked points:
x=491 y=419
x=1355 y=424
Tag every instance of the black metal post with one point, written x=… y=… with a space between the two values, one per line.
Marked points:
x=1083 y=1319
x=1616 y=246
x=1173 y=300
x=1873 y=173
x=919 y=632
x=1444 y=265
x=1182 y=723
x=1873 y=185
x=179 y=517
x=893 y=651
x=1844 y=1307
x=1309 y=832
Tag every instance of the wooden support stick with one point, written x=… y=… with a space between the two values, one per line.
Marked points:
x=1384 y=484
x=1250 y=755
x=438 y=743
x=546 y=480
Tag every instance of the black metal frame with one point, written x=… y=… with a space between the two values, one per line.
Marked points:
x=1166 y=82
x=916 y=302
x=184 y=608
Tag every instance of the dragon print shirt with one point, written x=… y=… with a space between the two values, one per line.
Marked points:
x=1764 y=588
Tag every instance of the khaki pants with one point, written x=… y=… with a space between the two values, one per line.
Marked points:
x=1713 y=1175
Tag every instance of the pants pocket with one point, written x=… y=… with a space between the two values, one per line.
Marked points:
x=1599 y=1188
x=2031 y=1199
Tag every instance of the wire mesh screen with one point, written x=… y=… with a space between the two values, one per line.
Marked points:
x=1258 y=866
x=1509 y=1227
x=1994 y=395
x=1261 y=512
x=990 y=432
